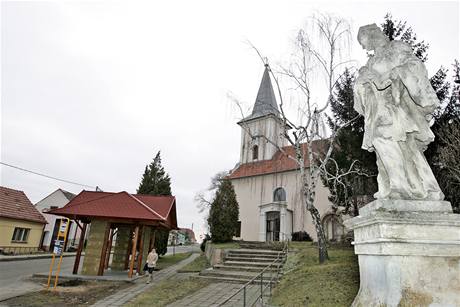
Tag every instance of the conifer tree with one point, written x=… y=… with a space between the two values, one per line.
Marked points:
x=397 y=29
x=155 y=181
x=224 y=212
x=441 y=154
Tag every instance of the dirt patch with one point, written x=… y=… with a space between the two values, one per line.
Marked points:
x=69 y=293
x=411 y=297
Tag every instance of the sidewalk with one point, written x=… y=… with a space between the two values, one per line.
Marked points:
x=35 y=256
x=125 y=296
x=216 y=293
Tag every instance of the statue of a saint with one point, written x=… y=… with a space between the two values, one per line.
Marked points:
x=395 y=96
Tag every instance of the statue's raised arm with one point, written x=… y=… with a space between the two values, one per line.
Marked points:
x=393 y=93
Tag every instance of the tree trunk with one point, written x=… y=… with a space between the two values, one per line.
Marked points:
x=309 y=187
x=322 y=247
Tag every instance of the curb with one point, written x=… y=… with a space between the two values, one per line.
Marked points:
x=32 y=257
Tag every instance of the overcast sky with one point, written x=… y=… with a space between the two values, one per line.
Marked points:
x=91 y=90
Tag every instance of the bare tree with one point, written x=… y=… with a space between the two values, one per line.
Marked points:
x=319 y=50
x=204 y=198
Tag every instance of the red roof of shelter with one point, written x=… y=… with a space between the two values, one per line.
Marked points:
x=281 y=162
x=14 y=204
x=121 y=205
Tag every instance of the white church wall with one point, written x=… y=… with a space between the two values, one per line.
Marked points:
x=258 y=190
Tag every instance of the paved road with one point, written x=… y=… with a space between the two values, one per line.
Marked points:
x=14 y=275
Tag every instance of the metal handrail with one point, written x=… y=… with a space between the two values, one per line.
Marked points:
x=262 y=289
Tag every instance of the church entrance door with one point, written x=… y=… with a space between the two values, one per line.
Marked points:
x=273 y=226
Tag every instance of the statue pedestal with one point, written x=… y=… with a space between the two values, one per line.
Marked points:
x=409 y=253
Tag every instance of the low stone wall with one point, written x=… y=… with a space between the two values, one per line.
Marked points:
x=214 y=255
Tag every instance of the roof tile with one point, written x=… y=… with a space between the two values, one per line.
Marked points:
x=14 y=204
x=281 y=162
x=120 y=205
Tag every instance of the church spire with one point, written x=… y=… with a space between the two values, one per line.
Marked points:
x=265 y=101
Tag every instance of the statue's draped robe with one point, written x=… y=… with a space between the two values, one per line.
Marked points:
x=395 y=96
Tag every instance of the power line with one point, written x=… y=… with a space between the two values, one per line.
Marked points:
x=47 y=176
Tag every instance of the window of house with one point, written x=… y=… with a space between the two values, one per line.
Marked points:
x=20 y=234
x=279 y=194
x=255 y=152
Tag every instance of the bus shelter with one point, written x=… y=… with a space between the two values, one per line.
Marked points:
x=121 y=228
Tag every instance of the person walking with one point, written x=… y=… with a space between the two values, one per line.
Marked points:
x=151 y=264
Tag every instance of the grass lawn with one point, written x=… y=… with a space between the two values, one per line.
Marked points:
x=228 y=245
x=168 y=291
x=306 y=282
x=165 y=261
x=196 y=265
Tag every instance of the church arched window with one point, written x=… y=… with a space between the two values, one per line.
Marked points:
x=255 y=152
x=279 y=194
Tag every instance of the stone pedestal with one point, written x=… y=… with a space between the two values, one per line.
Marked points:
x=409 y=253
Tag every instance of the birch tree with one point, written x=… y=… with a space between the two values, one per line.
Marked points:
x=319 y=51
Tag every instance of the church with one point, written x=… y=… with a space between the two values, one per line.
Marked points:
x=267 y=182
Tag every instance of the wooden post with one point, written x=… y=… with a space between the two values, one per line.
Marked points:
x=141 y=251
x=133 y=252
x=79 y=250
x=100 y=271
x=109 y=249
x=75 y=233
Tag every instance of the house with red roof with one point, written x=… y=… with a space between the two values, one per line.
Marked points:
x=57 y=199
x=21 y=224
x=267 y=182
x=120 y=223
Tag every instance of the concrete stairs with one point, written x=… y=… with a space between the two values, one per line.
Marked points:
x=273 y=246
x=241 y=265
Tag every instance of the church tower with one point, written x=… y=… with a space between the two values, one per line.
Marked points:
x=261 y=132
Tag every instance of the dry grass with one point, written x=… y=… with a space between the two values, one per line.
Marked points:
x=196 y=265
x=307 y=283
x=169 y=291
x=227 y=245
x=166 y=261
x=81 y=294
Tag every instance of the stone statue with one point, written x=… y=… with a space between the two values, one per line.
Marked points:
x=395 y=96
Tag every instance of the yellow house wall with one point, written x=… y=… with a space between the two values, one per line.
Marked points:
x=7 y=228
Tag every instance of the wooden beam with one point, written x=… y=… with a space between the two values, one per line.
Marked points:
x=141 y=251
x=79 y=226
x=133 y=252
x=100 y=271
x=79 y=249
